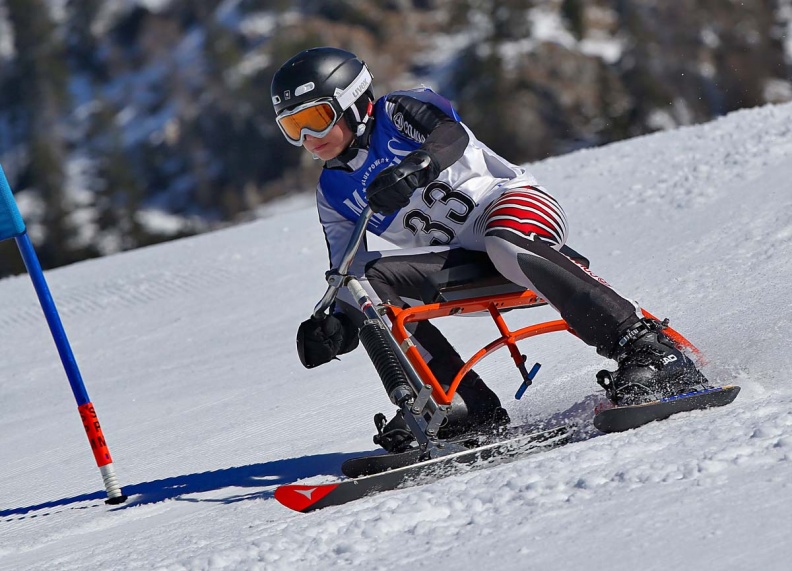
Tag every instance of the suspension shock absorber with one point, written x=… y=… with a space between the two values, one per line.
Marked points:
x=374 y=338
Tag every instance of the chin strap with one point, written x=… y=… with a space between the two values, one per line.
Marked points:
x=363 y=124
x=360 y=124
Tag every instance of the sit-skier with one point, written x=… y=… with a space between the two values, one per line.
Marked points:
x=439 y=193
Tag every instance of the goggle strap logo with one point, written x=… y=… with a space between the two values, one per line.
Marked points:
x=346 y=97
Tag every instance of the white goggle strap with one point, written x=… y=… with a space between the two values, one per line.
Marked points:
x=346 y=97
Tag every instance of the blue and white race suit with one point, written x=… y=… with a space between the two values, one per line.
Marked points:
x=480 y=201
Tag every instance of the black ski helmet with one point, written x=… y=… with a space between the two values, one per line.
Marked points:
x=325 y=73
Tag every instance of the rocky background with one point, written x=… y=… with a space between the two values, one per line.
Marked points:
x=128 y=122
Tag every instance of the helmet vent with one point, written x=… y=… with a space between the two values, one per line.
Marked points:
x=304 y=88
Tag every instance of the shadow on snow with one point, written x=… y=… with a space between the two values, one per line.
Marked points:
x=263 y=477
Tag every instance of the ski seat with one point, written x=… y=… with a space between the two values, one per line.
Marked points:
x=477 y=278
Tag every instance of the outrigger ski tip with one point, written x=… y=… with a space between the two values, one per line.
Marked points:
x=306 y=498
x=621 y=418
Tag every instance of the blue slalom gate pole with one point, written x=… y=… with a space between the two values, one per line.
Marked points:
x=13 y=226
x=53 y=319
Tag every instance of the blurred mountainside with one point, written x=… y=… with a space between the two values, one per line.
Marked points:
x=128 y=122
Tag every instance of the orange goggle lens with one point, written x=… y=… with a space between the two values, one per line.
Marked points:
x=316 y=120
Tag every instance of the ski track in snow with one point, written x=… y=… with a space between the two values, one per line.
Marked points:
x=187 y=352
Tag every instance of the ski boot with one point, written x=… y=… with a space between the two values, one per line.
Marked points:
x=651 y=367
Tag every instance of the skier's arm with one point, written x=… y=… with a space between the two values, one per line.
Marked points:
x=443 y=141
x=321 y=339
x=337 y=229
x=441 y=136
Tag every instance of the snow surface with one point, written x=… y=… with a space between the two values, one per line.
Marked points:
x=188 y=353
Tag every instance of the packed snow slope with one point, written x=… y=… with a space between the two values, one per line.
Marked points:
x=187 y=350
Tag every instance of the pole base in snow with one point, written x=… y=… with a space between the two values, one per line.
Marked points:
x=114 y=493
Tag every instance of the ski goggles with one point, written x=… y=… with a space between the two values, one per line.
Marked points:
x=313 y=118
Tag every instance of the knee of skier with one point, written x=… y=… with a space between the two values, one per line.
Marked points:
x=503 y=256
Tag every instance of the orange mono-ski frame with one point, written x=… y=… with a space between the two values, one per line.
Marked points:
x=494 y=305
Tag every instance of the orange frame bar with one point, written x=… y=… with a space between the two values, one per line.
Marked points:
x=493 y=305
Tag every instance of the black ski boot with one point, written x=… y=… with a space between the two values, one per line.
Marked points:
x=651 y=367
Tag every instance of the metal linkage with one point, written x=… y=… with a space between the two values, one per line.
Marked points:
x=402 y=382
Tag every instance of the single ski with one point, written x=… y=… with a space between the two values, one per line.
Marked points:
x=620 y=418
x=306 y=498
x=376 y=463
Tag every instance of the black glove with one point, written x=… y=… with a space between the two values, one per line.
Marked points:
x=320 y=339
x=391 y=189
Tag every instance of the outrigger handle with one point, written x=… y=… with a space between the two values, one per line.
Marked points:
x=402 y=382
x=337 y=276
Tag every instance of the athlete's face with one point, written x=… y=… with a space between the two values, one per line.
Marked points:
x=332 y=144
